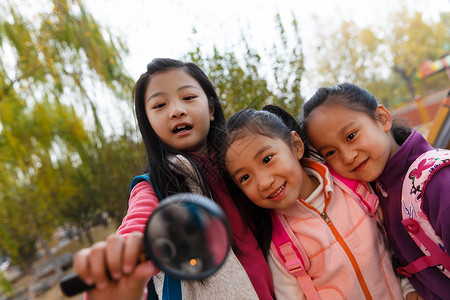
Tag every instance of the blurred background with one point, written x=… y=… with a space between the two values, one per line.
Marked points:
x=69 y=143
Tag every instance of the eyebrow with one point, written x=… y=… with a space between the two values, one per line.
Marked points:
x=258 y=153
x=261 y=150
x=187 y=86
x=340 y=132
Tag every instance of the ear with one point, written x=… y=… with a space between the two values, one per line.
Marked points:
x=297 y=145
x=211 y=111
x=385 y=117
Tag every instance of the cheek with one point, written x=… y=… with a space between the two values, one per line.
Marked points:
x=336 y=165
x=157 y=127
x=379 y=147
x=249 y=191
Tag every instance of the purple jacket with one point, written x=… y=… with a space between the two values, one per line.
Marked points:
x=430 y=283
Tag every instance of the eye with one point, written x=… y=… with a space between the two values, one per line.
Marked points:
x=267 y=159
x=329 y=153
x=189 y=98
x=159 y=105
x=244 y=178
x=351 y=136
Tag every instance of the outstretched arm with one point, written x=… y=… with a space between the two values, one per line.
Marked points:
x=141 y=205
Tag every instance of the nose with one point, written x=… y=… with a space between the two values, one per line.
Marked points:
x=177 y=111
x=349 y=156
x=265 y=181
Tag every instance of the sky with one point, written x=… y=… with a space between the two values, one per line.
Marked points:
x=164 y=28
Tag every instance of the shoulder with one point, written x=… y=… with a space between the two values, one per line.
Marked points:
x=142 y=203
x=438 y=187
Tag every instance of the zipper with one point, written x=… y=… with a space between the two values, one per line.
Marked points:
x=349 y=255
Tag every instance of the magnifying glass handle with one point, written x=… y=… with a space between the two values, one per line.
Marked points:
x=72 y=285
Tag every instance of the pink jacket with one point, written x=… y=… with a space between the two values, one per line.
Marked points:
x=348 y=256
x=139 y=210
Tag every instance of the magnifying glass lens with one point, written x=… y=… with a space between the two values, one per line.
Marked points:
x=187 y=237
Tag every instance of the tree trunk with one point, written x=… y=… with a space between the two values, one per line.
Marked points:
x=90 y=238
x=407 y=80
x=51 y=256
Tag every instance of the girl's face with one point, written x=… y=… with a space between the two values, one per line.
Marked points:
x=178 y=110
x=355 y=145
x=268 y=170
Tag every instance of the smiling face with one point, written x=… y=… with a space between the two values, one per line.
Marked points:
x=178 y=110
x=268 y=171
x=355 y=145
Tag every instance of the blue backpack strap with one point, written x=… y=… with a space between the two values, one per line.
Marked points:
x=146 y=177
x=171 y=287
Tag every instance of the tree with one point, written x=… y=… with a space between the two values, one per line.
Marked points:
x=242 y=83
x=351 y=54
x=49 y=65
x=413 y=40
x=382 y=59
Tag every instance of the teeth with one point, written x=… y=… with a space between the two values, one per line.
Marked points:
x=181 y=128
x=277 y=192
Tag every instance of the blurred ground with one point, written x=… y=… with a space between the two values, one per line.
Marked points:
x=54 y=293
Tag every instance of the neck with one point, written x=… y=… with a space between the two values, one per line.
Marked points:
x=394 y=146
x=309 y=185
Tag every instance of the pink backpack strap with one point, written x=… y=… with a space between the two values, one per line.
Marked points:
x=366 y=199
x=290 y=253
x=415 y=219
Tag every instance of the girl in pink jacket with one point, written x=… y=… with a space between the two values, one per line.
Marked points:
x=179 y=113
x=346 y=250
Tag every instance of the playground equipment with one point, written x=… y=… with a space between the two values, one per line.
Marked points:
x=437 y=129
x=439 y=133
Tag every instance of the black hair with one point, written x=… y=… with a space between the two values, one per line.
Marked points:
x=355 y=98
x=159 y=166
x=274 y=122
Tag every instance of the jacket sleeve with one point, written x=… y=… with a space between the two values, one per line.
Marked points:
x=286 y=286
x=142 y=203
x=436 y=204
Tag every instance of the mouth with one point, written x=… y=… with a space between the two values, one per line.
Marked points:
x=277 y=192
x=182 y=128
x=360 y=166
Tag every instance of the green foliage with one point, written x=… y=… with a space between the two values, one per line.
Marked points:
x=5 y=286
x=413 y=40
x=242 y=83
x=238 y=86
x=54 y=170
x=382 y=59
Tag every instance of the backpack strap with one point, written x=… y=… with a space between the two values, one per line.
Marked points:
x=415 y=219
x=290 y=253
x=366 y=198
x=171 y=286
x=145 y=177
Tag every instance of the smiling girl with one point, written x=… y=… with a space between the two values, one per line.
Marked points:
x=359 y=140
x=266 y=161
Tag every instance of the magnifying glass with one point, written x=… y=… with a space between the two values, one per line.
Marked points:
x=187 y=237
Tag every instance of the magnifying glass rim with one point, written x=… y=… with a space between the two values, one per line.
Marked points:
x=206 y=204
